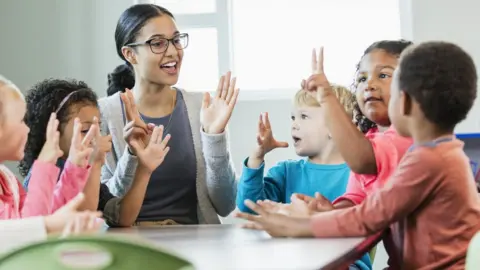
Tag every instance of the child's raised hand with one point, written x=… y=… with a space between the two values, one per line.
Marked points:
x=151 y=156
x=51 y=149
x=102 y=145
x=81 y=149
x=265 y=140
x=135 y=129
x=317 y=83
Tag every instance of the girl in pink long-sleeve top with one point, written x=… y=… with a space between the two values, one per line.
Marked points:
x=46 y=195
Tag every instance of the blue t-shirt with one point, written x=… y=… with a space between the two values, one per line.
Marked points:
x=291 y=176
x=294 y=176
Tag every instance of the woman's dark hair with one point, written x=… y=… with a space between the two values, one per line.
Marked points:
x=44 y=98
x=393 y=47
x=128 y=26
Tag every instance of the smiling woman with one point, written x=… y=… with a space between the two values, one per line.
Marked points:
x=196 y=181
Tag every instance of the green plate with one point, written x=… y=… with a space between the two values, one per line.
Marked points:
x=92 y=253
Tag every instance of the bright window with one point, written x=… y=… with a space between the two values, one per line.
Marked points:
x=268 y=43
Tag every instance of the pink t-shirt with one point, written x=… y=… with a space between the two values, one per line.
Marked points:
x=389 y=148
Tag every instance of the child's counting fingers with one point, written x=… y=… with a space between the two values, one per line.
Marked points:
x=255 y=207
x=320 y=61
x=314 y=61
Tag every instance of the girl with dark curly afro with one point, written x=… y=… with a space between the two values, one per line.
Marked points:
x=76 y=104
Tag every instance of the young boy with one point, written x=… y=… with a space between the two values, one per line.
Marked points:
x=323 y=171
x=430 y=203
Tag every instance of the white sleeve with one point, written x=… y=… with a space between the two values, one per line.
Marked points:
x=19 y=232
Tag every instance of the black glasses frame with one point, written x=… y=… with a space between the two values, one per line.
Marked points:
x=169 y=40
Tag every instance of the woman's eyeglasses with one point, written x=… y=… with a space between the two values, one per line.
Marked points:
x=160 y=45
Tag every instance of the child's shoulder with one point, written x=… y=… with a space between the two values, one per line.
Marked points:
x=390 y=137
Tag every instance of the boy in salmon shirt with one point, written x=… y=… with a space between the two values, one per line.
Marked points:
x=430 y=203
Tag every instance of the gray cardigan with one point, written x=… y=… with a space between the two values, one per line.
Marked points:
x=216 y=183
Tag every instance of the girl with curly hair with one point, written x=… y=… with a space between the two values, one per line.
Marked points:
x=14 y=202
x=77 y=110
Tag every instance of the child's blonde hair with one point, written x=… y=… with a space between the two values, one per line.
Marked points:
x=345 y=96
x=12 y=90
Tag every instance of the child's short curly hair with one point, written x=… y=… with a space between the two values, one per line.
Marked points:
x=442 y=78
x=44 y=98
x=343 y=94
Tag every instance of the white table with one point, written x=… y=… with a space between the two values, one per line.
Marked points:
x=225 y=247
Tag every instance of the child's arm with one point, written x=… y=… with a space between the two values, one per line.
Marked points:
x=124 y=211
x=76 y=171
x=254 y=186
x=352 y=144
x=103 y=145
x=412 y=183
x=42 y=182
x=71 y=182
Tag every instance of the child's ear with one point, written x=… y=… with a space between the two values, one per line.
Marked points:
x=129 y=54
x=405 y=103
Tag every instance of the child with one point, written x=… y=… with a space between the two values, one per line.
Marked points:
x=68 y=220
x=311 y=140
x=374 y=156
x=73 y=99
x=14 y=202
x=323 y=171
x=430 y=202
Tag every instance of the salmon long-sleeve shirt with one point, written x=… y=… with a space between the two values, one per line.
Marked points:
x=430 y=203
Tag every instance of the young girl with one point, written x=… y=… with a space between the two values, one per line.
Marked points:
x=14 y=202
x=75 y=100
x=374 y=156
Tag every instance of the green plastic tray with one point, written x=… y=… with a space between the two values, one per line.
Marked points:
x=92 y=253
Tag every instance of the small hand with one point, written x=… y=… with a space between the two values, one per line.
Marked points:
x=277 y=225
x=154 y=153
x=51 y=151
x=81 y=149
x=135 y=129
x=265 y=140
x=102 y=145
x=311 y=205
x=70 y=220
x=216 y=113
x=317 y=84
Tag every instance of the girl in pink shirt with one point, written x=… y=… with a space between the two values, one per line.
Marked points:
x=374 y=156
x=46 y=195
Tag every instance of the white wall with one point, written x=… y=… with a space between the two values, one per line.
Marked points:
x=74 y=38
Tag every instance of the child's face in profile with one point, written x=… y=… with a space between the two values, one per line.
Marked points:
x=373 y=85
x=395 y=108
x=85 y=113
x=309 y=132
x=13 y=130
